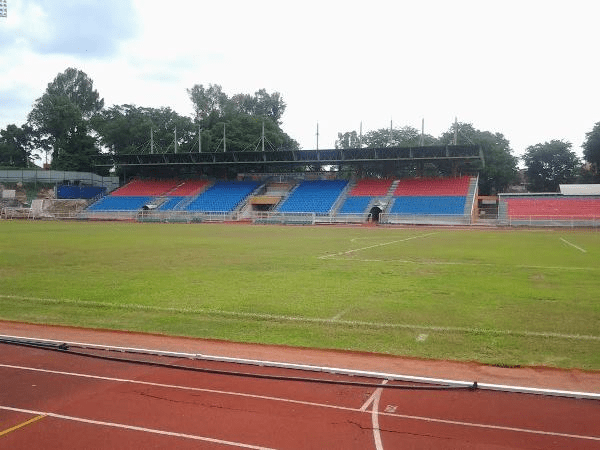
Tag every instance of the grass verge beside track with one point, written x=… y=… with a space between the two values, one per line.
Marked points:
x=508 y=297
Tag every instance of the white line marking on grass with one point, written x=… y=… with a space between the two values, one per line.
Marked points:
x=135 y=428
x=377 y=245
x=339 y=315
x=263 y=316
x=463 y=263
x=573 y=245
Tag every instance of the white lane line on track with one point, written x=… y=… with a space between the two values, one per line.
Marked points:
x=332 y=255
x=135 y=428
x=573 y=245
x=375 y=418
x=320 y=405
x=178 y=387
x=493 y=427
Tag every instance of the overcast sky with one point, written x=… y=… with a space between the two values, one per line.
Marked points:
x=527 y=69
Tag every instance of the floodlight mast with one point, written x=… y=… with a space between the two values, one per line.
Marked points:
x=151 y=141
x=360 y=136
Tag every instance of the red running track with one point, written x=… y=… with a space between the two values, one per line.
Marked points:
x=57 y=400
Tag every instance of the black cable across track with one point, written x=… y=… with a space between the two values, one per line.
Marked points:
x=66 y=349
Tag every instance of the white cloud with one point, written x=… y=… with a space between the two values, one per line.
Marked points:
x=524 y=69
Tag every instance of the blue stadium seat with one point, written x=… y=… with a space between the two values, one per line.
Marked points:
x=313 y=197
x=120 y=203
x=73 y=192
x=355 y=205
x=223 y=196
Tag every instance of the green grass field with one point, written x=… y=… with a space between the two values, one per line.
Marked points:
x=506 y=297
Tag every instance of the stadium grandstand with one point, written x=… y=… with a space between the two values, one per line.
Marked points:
x=420 y=185
x=385 y=185
x=575 y=205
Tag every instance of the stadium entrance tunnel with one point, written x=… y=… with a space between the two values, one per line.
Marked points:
x=374 y=214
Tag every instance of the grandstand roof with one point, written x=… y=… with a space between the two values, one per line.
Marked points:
x=462 y=154
x=580 y=189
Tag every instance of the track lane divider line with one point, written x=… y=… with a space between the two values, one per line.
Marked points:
x=179 y=387
x=285 y=400
x=493 y=427
x=375 y=417
x=21 y=425
x=136 y=428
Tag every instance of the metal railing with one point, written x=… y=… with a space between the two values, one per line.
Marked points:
x=424 y=219
x=551 y=221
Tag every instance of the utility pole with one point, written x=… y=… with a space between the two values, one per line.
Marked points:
x=199 y=139
x=175 y=139
x=152 y=141
x=422 y=140
x=360 y=136
x=263 y=136
x=317 y=135
x=455 y=142
x=224 y=144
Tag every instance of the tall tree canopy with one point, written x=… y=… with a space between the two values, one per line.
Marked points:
x=406 y=136
x=213 y=100
x=348 y=139
x=591 y=147
x=239 y=118
x=15 y=146
x=549 y=165
x=126 y=129
x=60 y=120
x=500 y=164
x=395 y=137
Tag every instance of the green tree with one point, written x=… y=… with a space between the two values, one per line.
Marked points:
x=348 y=139
x=591 y=147
x=207 y=101
x=15 y=146
x=240 y=118
x=549 y=165
x=500 y=165
x=406 y=136
x=60 y=120
x=260 y=104
x=384 y=137
x=126 y=129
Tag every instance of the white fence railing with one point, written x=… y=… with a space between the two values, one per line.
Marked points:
x=551 y=221
x=285 y=218
x=424 y=219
